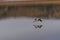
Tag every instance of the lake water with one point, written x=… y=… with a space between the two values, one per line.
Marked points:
x=22 y=29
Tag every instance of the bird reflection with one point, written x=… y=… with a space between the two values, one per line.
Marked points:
x=37 y=26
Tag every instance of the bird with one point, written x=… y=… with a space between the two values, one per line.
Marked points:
x=37 y=19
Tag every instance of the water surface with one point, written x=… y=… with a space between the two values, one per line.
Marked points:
x=22 y=29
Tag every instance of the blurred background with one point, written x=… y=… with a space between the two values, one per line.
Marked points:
x=43 y=9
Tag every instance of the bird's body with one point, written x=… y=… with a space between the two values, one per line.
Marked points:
x=38 y=19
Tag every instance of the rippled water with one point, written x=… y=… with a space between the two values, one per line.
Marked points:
x=23 y=29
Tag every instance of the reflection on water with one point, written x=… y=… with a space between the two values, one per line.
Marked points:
x=37 y=26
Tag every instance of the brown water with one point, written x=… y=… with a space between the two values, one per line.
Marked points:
x=24 y=28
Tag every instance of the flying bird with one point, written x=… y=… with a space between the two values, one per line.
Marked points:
x=37 y=19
